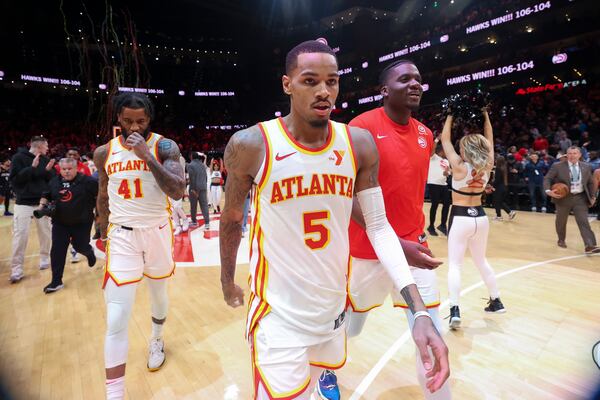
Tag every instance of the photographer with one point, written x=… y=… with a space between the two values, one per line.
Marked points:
x=70 y=203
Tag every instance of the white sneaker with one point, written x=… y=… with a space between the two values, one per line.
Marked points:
x=156 y=354
x=534 y=209
x=498 y=219
x=207 y=228
x=185 y=227
x=16 y=278
x=74 y=257
x=543 y=209
x=177 y=231
x=512 y=215
x=44 y=266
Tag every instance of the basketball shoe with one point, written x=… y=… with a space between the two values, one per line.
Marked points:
x=495 y=306
x=454 y=317
x=328 y=388
x=156 y=354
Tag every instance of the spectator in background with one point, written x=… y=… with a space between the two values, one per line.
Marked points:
x=438 y=190
x=73 y=153
x=534 y=172
x=500 y=189
x=540 y=143
x=515 y=180
x=594 y=160
x=5 y=190
x=216 y=185
x=563 y=142
x=198 y=185
x=73 y=195
x=30 y=172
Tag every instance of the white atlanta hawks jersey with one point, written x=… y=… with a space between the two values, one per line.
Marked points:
x=299 y=238
x=134 y=198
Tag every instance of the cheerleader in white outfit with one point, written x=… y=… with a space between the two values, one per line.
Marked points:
x=216 y=182
x=469 y=226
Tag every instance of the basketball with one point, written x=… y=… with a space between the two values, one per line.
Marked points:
x=561 y=189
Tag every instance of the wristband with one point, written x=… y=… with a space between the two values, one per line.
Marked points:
x=422 y=314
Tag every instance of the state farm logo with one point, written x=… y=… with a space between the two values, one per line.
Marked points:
x=422 y=142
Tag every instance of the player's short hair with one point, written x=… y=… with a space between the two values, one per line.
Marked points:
x=385 y=73
x=310 y=46
x=73 y=149
x=135 y=101
x=38 y=139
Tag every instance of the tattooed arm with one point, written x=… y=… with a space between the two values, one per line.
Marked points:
x=390 y=255
x=168 y=172
x=100 y=156
x=243 y=156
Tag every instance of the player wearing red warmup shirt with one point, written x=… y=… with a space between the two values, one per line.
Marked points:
x=405 y=146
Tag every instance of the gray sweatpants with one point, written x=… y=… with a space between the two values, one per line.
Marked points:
x=21 y=224
x=203 y=200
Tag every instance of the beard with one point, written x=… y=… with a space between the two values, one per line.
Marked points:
x=318 y=123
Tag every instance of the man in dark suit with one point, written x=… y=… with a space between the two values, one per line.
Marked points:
x=577 y=176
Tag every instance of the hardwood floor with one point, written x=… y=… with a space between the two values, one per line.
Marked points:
x=51 y=346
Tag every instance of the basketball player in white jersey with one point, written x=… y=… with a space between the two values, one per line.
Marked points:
x=306 y=169
x=138 y=171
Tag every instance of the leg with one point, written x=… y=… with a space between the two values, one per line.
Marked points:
x=159 y=303
x=193 y=206
x=505 y=205
x=203 y=199
x=580 y=210
x=44 y=228
x=80 y=239
x=562 y=214
x=447 y=201
x=458 y=237
x=58 y=253
x=444 y=392
x=219 y=192
x=499 y=195
x=119 y=302
x=477 y=247
x=356 y=322
x=21 y=224
x=435 y=195
x=532 y=200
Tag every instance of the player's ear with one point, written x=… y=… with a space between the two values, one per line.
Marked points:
x=383 y=91
x=286 y=82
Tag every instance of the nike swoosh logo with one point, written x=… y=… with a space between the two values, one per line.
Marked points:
x=381 y=137
x=116 y=152
x=279 y=158
x=160 y=227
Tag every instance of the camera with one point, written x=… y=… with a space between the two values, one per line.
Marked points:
x=46 y=211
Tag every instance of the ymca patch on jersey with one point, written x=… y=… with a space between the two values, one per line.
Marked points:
x=422 y=142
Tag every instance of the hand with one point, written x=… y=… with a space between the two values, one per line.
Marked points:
x=592 y=202
x=553 y=194
x=418 y=255
x=50 y=164
x=137 y=143
x=36 y=161
x=427 y=337
x=233 y=295
x=192 y=191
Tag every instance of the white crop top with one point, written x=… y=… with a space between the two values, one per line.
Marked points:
x=471 y=180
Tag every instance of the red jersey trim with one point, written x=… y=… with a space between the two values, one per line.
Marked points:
x=300 y=147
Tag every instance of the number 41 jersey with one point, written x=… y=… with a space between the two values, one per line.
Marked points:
x=299 y=237
x=134 y=198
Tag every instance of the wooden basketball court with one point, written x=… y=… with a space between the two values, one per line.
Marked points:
x=52 y=345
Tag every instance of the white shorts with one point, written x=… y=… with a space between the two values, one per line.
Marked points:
x=132 y=254
x=285 y=372
x=369 y=284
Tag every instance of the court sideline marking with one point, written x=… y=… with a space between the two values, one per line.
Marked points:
x=387 y=356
